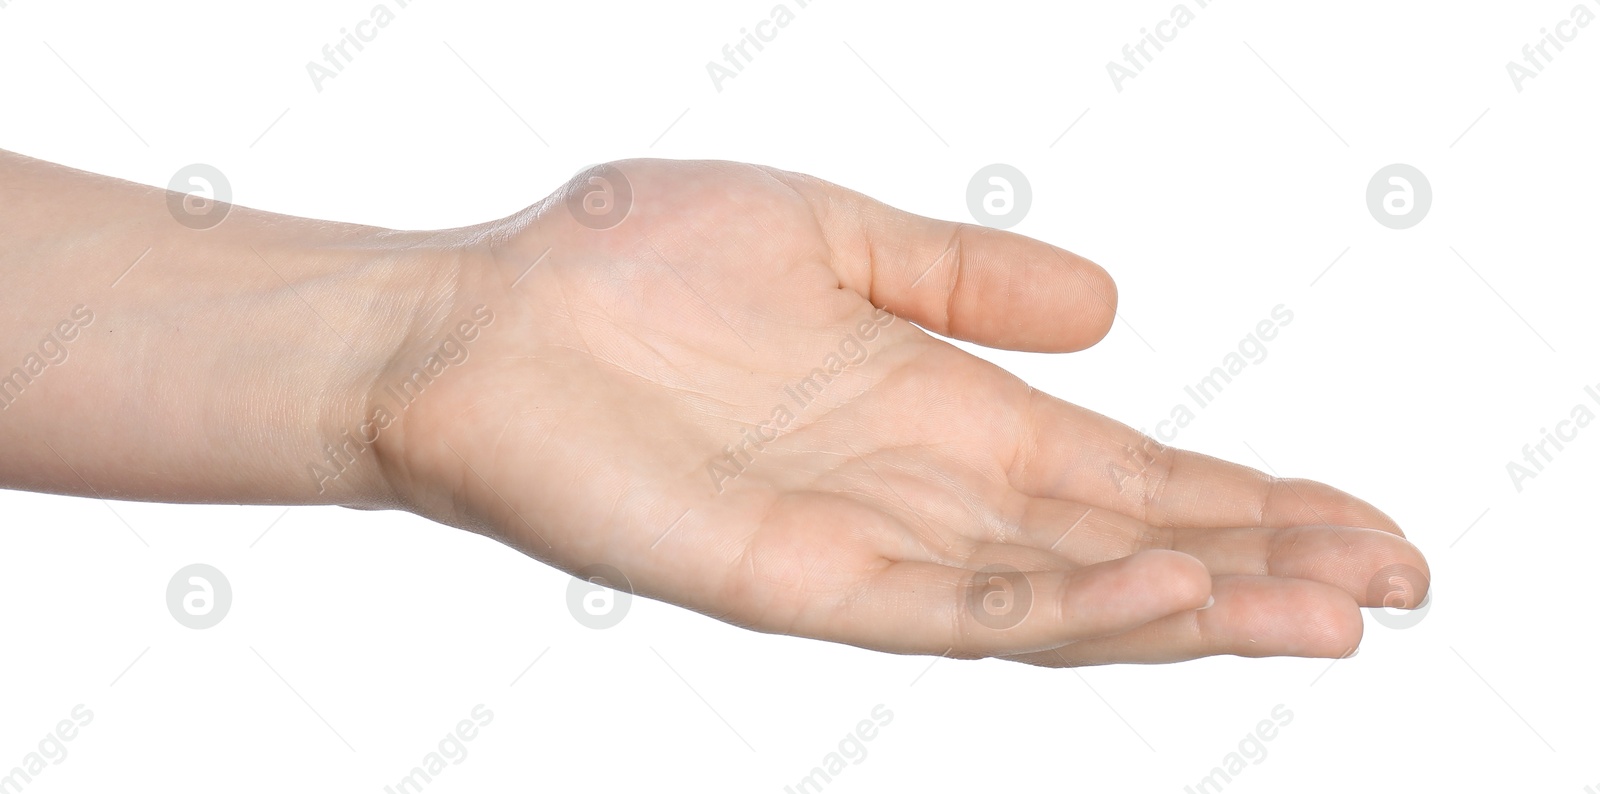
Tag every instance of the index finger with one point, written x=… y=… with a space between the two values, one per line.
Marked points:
x=1068 y=452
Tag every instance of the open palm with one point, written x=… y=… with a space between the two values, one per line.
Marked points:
x=714 y=378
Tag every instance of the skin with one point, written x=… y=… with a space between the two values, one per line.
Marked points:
x=921 y=501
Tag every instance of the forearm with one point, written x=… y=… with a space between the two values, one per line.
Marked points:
x=143 y=359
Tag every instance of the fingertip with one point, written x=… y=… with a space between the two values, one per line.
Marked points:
x=1310 y=501
x=1185 y=579
x=1099 y=304
x=1345 y=628
x=1302 y=618
x=1400 y=585
x=1150 y=585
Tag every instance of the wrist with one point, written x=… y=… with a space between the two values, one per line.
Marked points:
x=382 y=302
x=254 y=355
x=145 y=359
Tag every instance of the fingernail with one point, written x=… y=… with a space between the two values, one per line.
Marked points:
x=1209 y=601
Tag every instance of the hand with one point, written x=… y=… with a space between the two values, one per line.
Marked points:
x=729 y=397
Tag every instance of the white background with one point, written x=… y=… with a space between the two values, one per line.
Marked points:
x=1411 y=375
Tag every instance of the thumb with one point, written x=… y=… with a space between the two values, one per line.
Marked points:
x=964 y=281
